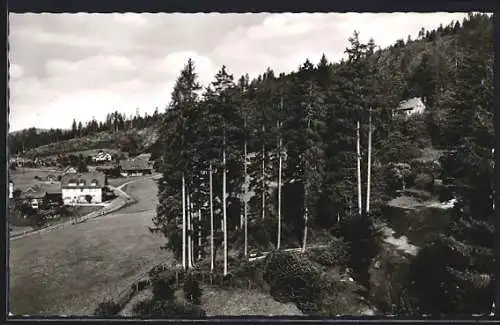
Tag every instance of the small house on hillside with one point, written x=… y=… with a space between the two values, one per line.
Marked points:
x=69 y=170
x=82 y=187
x=135 y=167
x=144 y=156
x=411 y=106
x=102 y=157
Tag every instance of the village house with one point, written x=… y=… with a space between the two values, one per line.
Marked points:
x=69 y=170
x=37 y=195
x=102 y=157
x=411 y=107
x=135 y=167
x=144 y=156
x=82 y=188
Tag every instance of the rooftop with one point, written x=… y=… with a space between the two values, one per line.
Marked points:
x=87 y=179
x=39 y=191
x=135 y=164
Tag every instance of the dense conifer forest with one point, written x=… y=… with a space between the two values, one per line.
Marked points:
x=279 y=161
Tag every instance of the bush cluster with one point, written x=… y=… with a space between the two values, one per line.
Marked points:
x=107 y=308
x=154 y=309
x=336 y=254
x=293 y=278
x=192 y=289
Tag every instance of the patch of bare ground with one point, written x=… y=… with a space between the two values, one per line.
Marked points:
x=238 y=302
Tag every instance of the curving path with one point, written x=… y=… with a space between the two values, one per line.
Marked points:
x=69 y=270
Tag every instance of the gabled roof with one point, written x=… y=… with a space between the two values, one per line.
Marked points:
x=86 y=178
x=38 y=191
x=70 y=170
x=135 y=164
x=145 y=156
x=412 y=103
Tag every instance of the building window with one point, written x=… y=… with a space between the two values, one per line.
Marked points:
x=94 y=182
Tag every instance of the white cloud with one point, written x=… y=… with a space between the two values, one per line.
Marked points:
x=84 y=65
x=16 y=71
x=134 y=19
x=175 y=62
x=282 y=25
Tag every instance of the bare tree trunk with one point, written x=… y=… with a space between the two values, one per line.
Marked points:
x=224 y=212
x=211 y=222
x=191 y=227
x=306 y=217
x=358 y=158
x=190 y=260
x=183 y=222
x=199 y=234
x=245 y=203
x=306 y=199
x=279 y=200
x=279 y=181
x=369 y=176
x=263 y=178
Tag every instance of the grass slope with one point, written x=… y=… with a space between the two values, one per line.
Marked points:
x=71 y=270
x=102 y=140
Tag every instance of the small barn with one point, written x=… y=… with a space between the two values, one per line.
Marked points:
x=135 y=167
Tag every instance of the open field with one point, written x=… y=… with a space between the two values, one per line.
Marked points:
x=24 y=178
x=234 y=302
x=70 y=270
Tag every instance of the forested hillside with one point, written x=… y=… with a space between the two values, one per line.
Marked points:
x=271 y=163
x=115 y=132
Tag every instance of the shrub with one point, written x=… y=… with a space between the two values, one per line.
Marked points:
x=292 y=277
x=163 y=287
x=363 y=240
x=107 y=308
x=192 y=289
x=335 y=254
x=154 y=309
x=424 y=181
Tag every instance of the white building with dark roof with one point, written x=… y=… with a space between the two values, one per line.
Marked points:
x=83 y=188
x=411 y=106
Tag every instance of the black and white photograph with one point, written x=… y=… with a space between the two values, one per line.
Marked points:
x=168 y=165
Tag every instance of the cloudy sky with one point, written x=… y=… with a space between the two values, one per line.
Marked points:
x=65 y=66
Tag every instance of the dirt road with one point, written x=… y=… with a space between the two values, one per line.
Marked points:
x=70 y=270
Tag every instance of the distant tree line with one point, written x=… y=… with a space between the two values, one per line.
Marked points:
x=31 y=138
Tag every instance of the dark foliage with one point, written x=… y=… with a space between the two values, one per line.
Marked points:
x=107 y=309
